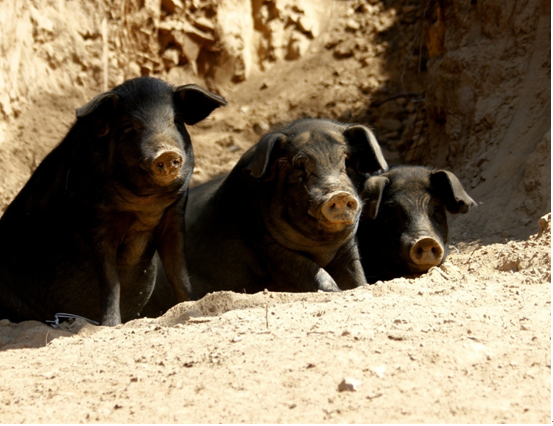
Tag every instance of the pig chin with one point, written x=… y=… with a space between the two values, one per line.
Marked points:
x=338 y=212
x=418 y=269
x=167 y=180
x=333 y=227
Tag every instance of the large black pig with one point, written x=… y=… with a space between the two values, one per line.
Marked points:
x=285 y=217
x=81 y=235
x=403 y=229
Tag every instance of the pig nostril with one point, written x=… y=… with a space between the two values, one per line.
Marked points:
x=160 y=165
x=420 y=250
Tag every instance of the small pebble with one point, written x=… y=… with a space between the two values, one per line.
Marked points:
x=349 y=384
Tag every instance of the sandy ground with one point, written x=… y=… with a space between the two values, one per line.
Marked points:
x=468 y=342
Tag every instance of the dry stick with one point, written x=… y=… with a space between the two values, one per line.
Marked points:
x=125 y=37
x=412 y=45
x=329 y=20
x=422 y=38
x=470 y=257
x=397 y=96
x=105 y=52
x=267 y=315
x=415 y=146
x=128 y=29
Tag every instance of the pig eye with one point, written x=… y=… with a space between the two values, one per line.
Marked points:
x=131 y=125
x=127 y=127
x=298 y=163
x=300 y=173
x=437 y=210
x=391 y=211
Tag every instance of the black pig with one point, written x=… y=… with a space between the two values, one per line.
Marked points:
x=286 y=215
x=81 y=235
x=403 y=229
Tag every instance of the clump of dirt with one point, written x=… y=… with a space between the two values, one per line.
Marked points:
x=533 y=256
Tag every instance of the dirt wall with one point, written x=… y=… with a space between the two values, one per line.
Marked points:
x=473 y=82
x=488 y=100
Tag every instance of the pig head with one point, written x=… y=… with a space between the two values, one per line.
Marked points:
x=310 y=204
x=148 y=143
x=404 y=228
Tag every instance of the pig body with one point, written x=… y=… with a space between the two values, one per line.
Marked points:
x=285 y=217
x=403 y=229
x=80 y=236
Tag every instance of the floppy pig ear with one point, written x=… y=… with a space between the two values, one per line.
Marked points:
x=449 y=188
x=196 y=103
x=260 y=162
x=99 y=111
x=366 y=154
x=372 y=191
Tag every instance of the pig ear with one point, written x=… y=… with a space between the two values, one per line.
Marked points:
x=195 y=103
x=99 y=112
x=372 y=192
x=449 y=188
x=259 y=164
x=366 y=154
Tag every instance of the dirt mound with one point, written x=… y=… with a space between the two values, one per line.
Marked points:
x=533 y=256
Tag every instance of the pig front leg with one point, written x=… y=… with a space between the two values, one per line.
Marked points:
x=110 y=286
x=170 y=246
x=292 y=269
x=346 y=268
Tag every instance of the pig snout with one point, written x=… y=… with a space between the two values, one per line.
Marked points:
x=340 y=207
x=426 y=252
x=165 y=166
x=168 y=163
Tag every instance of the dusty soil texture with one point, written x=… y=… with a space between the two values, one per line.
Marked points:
x=469 y=342
x=453 y=84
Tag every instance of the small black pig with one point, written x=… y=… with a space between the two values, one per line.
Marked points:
x=81 y=235
x=285 y=217
x=403 y=229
